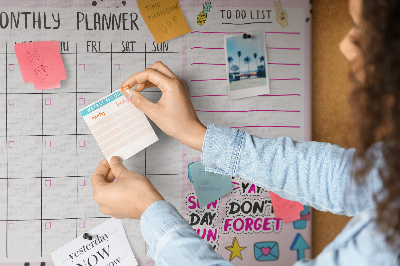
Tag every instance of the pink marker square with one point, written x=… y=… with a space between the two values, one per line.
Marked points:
x=10 y=67
x=82 y=101
x=47 y=101
x=82 y=225
x=11 y=226
x=47 y=225
x=10 y=146
x=82 y=184
x=82 y=143
x=82 y=67
x=47 y=183
x=9 y=102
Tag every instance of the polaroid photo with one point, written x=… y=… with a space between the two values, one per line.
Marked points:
x=246 y=65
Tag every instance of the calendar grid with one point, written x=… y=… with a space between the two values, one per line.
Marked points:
x=43 y=176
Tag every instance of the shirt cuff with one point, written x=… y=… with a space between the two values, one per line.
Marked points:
x=222 y=148
x=158 y=219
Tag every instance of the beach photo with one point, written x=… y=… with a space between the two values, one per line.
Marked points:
x=246 y=61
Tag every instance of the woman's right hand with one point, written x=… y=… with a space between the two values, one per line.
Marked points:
x=173 y=113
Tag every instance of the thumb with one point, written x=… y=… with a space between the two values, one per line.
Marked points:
x=117 y=167
x=138 y=100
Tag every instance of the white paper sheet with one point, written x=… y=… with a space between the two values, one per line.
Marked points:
x=118 y=126
x=108 y=246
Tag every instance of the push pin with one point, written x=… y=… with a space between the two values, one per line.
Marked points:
x=125 y=88
x=246 y=36
x=87 y=236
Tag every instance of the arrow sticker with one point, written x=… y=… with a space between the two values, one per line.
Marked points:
x=300 y=245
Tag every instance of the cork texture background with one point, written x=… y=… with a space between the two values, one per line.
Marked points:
x=330 y=98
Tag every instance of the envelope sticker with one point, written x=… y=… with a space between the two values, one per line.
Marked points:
x=266 y=251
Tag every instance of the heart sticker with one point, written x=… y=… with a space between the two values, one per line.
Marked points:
x=266 y=251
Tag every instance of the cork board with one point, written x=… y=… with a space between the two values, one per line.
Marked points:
x=331 y=89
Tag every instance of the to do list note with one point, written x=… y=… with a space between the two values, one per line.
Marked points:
x=118 y=126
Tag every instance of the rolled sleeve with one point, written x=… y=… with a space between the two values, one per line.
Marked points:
x=221 y=149
x=173 y=241
x=158 y=219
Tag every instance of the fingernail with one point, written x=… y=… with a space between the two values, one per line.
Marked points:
x=115 y=160
x=128 y=93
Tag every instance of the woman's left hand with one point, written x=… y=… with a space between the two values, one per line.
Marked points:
x=127 y=197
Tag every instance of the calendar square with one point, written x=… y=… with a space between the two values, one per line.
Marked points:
x=57 y=234
x=24 y=115
x=3 y=199
x=60 y=200
x=23 y=204
x=29 y=233
x=59 y=114
x=29 y=148
x=92 y=67
x=59 y=156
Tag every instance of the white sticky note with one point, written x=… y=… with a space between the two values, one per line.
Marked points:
x=109 y=246
x=118 y=126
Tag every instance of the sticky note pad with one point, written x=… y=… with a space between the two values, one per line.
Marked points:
x=164 y=18
x=208 y=186
x=287 y=210
x=118 y=126
x=41 y=63
x=108 y=246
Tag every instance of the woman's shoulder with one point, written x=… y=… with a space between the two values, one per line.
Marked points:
x=362 y=241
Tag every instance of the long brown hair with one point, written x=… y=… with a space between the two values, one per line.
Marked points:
x=375 y=103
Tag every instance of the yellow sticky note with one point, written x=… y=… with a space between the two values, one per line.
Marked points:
x=164 y=18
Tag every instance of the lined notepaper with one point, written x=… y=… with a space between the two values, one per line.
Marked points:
x=118 y=126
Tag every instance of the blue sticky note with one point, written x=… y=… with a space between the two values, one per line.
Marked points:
x=208 y=186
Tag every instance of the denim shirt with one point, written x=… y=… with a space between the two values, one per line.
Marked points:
x=312 y=173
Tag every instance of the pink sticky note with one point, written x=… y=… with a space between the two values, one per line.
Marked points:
x=41 y=63
x=287 y=210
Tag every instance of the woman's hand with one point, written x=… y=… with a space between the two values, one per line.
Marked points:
x=174 y=113
x=127 y=197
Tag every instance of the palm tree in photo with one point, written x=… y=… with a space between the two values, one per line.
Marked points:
x=247 y=60
x=255 y=60
x=239 y=55
x=234 y=68
x=262 y=59
x=230 y=60
x=264 y=70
